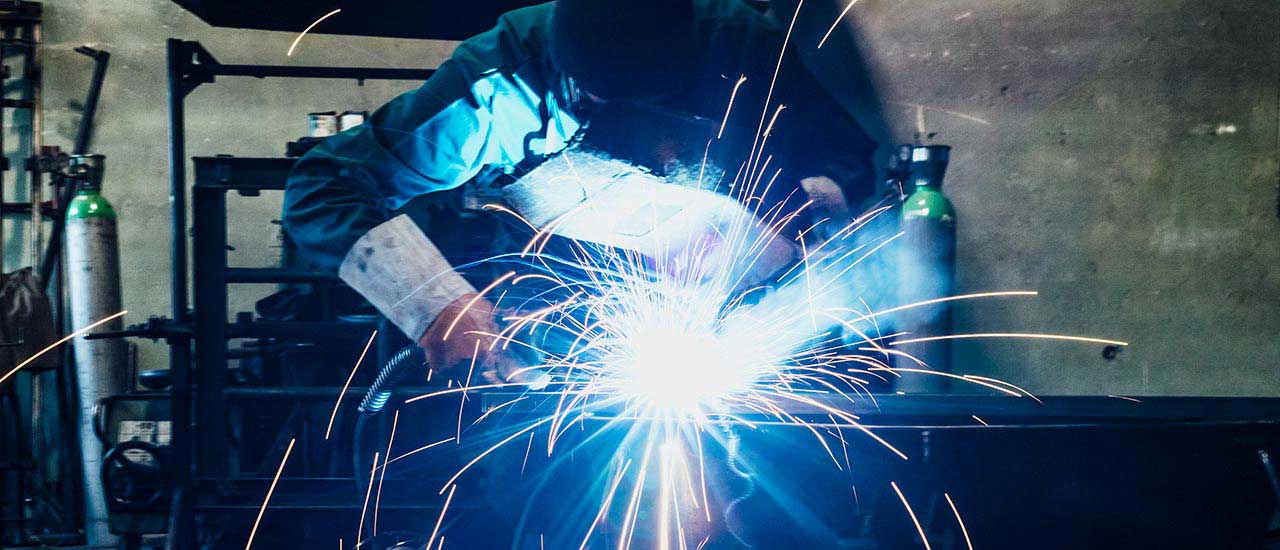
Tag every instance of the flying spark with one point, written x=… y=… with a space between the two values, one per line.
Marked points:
x=308 y=29
x=690 y=334
x=60 y=341
x=365 y=509
x=912 y=513
x=386 y=458
x=347 y=384
x=848 y=7
x=444 y=509
x=270 y=491
x=963 y=530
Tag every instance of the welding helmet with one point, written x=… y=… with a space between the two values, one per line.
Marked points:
x=636 y=50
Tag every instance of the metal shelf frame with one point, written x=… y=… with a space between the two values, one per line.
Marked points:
x=198 y=339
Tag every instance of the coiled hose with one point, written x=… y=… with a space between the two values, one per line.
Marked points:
x=734 y=522
x=393 y=371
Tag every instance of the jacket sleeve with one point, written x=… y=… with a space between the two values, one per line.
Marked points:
x=822 y=139
x=814 y=136
x=435 y=138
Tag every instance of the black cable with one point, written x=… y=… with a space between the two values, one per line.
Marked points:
x=392 y=372
x=375 y=400
x=735 y=523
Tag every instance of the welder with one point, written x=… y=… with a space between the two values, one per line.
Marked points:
x=510 y=97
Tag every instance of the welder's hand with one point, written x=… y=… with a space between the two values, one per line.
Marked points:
x=783 y=251
x=754 y=266
x=466 y=328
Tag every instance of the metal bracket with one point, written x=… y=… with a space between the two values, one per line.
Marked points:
x=191 y=66
x=156 y=328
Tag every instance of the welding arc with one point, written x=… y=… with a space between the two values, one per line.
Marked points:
x=61 y=341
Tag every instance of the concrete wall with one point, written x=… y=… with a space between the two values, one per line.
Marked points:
x=1119 y=156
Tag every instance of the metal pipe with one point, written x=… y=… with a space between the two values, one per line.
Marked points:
x=4 y=160
x=276 y=275
x=182 y=519
x=308 y=330
x=33 y=73
x=84 y=133
x=178 y=61
x=209 y=235
x=54 y=248
x=349 y=73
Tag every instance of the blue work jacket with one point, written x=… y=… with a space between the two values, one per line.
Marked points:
x=499 y=101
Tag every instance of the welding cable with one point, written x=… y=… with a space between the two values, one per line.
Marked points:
x=393 y=371
x=732 y=521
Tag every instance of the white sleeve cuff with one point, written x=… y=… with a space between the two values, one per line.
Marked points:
x=403 y=274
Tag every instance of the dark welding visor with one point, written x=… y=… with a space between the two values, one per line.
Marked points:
x=625 y=49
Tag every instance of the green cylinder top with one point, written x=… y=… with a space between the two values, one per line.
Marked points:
x=928 y=202
x=89 y=203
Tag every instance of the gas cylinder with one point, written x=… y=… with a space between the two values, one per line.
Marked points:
x=927 y=260
x=93 y=279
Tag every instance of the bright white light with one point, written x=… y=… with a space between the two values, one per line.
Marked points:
x=666 y=260
x=673 y=370
x=669 y=352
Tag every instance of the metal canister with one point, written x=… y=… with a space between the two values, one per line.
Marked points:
x=927 y=267
x=322 y=124
x=350 y=119
x=93 y=280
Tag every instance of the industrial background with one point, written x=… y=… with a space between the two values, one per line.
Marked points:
x=1120 y=157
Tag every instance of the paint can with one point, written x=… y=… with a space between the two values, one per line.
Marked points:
x=350 y=119
x=322 y=125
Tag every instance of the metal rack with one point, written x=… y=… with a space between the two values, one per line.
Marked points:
x=20 y=38
x=49 y=498
x=199 y=392
x=20 y=31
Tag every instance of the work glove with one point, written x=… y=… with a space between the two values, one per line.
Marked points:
x=768 y=260
x=736 y=266
x=465 y=328
x=781 y=253
x=764 y=255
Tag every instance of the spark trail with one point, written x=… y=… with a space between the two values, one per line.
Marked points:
x=695 y=335
x=676 y=347
x=59 y=342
